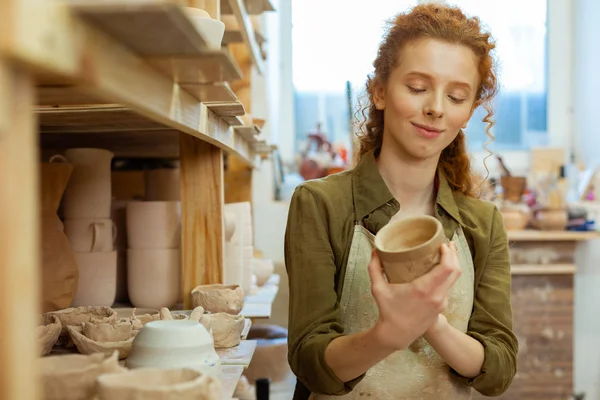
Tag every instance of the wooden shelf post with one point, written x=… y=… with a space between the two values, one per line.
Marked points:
x=19 y=242
x=202 y=238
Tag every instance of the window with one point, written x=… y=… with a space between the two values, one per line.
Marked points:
x=323 y=63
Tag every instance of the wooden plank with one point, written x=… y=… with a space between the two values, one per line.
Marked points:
x=234 y=121
x=253 y=7
x=230 y=377
x=226 y=109
x=148 y=27
x=212 y=66
x=238 y=355
x=536 y=269
x=202 y=239
x=19 y=243
x=247 y=31
x=533 y=235
x=93 y=119
x=248 y=132
x=66 y=95
x=213 y=92
x=543 y=323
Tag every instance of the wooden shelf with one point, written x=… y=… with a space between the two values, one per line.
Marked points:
x=211 y=66
x=259 y=305
x=231 y=375
x=238 y=355
x=541 y=269
x=551 y=236
x=253 y=7
x=238 y=9
x=148 y=27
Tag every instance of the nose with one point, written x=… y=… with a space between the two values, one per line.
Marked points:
x=434 y=107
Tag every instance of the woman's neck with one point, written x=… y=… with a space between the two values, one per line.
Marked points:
x=411 y=182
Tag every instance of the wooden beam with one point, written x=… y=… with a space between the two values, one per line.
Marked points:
x=19 y=243
x=201 y=214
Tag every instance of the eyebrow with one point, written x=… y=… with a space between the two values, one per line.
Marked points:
x=429 y=77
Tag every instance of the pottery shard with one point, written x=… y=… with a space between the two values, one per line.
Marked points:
x=86 y=345
x=73 y=376
x=226 y=329
x=48 y=334
x=218 y=298
x=147 y=383
x=77 y=315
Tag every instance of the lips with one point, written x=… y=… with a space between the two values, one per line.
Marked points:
x=426 y=131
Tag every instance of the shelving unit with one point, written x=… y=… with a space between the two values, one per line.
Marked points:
x=132 y=76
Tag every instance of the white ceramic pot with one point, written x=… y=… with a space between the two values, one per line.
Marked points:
x=154 y=225
x=154 y=277
x=175 y=344
x=88 y=194
x=90 y=234
x=97 y=279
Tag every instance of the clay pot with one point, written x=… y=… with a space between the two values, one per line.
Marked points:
x=155 y=384
x=76 y=316
x=515 y=220
x=175 y=344
x=218 y=298
x=59 y=269
x=154 y=225
x=409 y=248
x=97 y=279
x=162 y=184
x=91 y=234
x=263 y=270
x=226 y=329
x=551 y=219
x=89 y=340
x=513 y=187
x=154 y=277
x=73 y=376
x=88 y=194
x=48 y=334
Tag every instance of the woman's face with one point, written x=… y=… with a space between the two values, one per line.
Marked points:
x=428 y=98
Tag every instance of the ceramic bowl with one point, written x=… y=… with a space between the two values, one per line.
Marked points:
x=410 y=247
x=212 y=30
x=175 y=344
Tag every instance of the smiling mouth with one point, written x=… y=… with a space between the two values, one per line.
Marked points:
x=428 y=131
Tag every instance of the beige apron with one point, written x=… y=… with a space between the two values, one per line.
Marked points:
x=417 y=373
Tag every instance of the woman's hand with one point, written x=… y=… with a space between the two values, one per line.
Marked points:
x=407 y=311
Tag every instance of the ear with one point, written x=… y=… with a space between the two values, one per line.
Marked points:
x=379 y=97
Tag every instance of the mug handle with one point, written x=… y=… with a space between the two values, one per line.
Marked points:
x=114 y=232
x=95 y=236
x=59 y=157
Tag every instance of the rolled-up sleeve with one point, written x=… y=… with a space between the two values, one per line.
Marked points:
x=314 y=310
x=491 y=321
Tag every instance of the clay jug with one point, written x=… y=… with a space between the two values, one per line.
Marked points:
x=60 y=275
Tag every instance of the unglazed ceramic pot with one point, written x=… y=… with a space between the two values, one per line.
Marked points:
x=97 y=279
x=156 y=384
x=173 y=344
x=73 y=376
x=154 y=225
x=218 y=298
x=551 y=219
x=410 y=247
x=48 y=334
x=154 y=277
x=226 y=329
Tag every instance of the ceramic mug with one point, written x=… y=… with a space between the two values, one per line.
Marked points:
x=409 y=248
x=91 y=235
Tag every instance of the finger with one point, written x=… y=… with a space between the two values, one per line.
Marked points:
x=449 y=260
x=376 y=270
x=438 y=274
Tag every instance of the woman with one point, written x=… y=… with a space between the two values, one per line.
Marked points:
x=351 y=332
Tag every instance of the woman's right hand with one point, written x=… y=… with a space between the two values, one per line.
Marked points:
x=407 y=310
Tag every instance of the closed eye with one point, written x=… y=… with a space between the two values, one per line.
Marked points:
x=456 y=100
x=415 y=90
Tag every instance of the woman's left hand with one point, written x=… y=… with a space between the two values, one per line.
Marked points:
x=440 y=324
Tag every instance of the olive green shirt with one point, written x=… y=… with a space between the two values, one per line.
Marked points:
x=318 y=236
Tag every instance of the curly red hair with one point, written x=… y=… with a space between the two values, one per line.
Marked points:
x=451 y=25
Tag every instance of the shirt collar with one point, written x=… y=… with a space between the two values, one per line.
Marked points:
x=370 y=191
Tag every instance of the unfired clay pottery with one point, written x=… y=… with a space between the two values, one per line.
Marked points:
x=91 y=234
x=156 y=384
x=103 y=338
x=551 y=219
x=88 y=194
x=154 y=224
x=154 y=277
x=513 y=187
x=48 y=334
x=175 y=344
x=226 y=329
x=78 y=315
x=59 y=269
x=97 y=279
x=73 y=376
x=218 y=298
x=410 y=247
x=162 y=184
x=515 y=218
x=263 y=270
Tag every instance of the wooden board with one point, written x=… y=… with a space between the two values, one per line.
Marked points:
x=20 y=273
x=148 y=27
x=202 y=239
x=537 y=269
x=219 y=92
x=543 y=323
x=226 y=109
x=247 y=30
x=212 y=66
x=253 y=7
x=249 y=132
x=238 y=355
x=229 y=380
